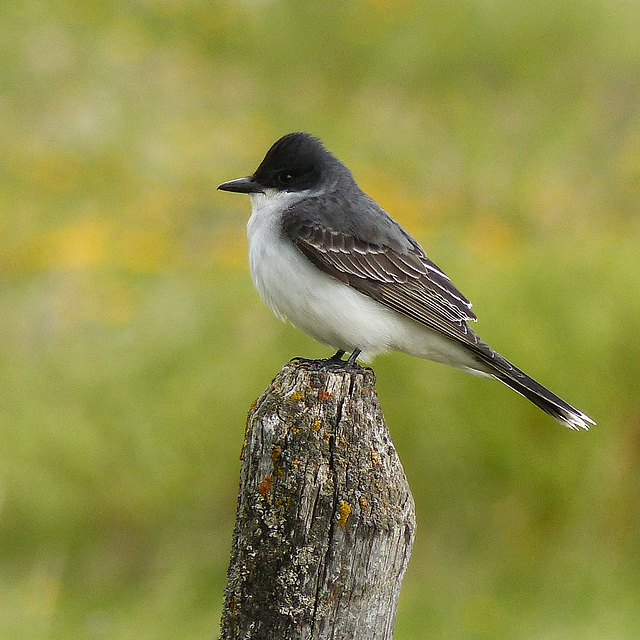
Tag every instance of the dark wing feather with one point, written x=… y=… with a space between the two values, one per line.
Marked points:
x=404 y=280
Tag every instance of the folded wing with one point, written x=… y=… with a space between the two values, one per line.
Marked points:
x=405 y=281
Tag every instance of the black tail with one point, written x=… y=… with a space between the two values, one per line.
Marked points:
x=519 y=381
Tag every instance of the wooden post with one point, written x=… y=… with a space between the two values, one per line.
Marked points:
x=325 y=518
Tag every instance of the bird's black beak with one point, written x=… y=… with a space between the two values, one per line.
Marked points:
x=242 y=185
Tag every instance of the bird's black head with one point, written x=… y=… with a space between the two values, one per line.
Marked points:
x=293 y=163
x=296 y=162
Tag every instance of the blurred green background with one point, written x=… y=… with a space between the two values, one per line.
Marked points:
x=504 y=134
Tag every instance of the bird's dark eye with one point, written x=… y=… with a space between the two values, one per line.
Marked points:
x=284 y=177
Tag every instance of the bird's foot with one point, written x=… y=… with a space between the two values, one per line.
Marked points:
x=335 y=361
x=350 y=363
x=301 y=360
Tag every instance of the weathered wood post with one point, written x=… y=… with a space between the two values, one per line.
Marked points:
x=325 y=518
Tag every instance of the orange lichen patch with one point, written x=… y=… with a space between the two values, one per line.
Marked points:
x=344 y=510
x=295 y=396
x=376 y=458
x=277 y=462
x=316 y=424
x=265 y=485
x=324 y=395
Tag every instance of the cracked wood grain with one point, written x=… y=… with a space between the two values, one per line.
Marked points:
x=325 y=518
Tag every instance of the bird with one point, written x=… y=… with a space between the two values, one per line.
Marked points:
x=326 y=257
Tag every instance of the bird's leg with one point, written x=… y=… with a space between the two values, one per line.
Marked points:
x=353 y=357
x=337 y=356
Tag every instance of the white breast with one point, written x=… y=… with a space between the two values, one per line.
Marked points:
x=299 y=292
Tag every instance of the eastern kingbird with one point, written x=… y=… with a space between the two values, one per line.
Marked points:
x=330 y=260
